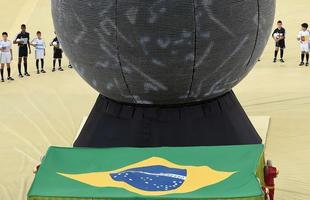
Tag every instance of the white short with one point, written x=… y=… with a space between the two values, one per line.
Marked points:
x=5 y=57
x=304 y=47
x=39 y=54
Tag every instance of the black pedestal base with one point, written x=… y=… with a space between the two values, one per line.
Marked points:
x=220 y=121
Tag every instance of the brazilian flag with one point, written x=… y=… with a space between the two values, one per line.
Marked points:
x=222 y=172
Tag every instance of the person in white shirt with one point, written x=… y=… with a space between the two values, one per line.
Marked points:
x=304 y=37
x=6 y=56
x=40 y=46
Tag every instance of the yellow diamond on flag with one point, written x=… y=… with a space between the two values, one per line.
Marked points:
x=154 y=176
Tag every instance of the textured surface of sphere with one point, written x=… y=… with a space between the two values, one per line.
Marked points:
x=163 y=51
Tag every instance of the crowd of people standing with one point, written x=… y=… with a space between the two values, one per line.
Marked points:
x=303 y=37
x=22 y=40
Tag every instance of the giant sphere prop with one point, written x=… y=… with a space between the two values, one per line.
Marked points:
x=163 y=51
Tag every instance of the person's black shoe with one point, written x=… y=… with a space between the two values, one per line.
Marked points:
x=281 y=60
x=70 y=66
x=27 y=74
x=53 y=69
x=302 y=64
x=2 y=80
x=307 y=64
x=20 y=76
x=38 y=72
x=60 y=69
x=43 y=71
x=10 y=79
x=274 y=60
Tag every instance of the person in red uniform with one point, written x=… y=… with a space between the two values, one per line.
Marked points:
x=270 y=174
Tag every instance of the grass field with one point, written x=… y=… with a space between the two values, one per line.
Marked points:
x=45 y=110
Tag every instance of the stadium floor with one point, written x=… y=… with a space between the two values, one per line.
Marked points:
x=47 y=109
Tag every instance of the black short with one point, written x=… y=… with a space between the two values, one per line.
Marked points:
x=57 y=53
x=23 y=51
x=280 y=44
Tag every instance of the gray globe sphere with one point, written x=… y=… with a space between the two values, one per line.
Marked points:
x=163 y=51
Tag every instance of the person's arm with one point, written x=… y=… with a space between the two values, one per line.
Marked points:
x=274 y=32
x=32 y=43
x=44 y=47
x=2 y=47
x=29 y=46
x=11 y=54
x=299 y=36
x=14 y=41
x=51 y=44
x=272 y=35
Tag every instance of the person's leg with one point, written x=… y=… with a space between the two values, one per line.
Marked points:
x=9 y=72
x=54 y=64
x=37 y=65
x=306 y=51
x=271 y=194
x=1 y=72
x=20 y=67
x=276 y=54
x=42 y=65
x=281 y=54
x=302 y=58
x=59 y=65
x=281 y=46
x=26 y=66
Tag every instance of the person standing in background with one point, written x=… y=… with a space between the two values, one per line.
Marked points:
x=57 y=53
x=39 y=45
x=270 y=174
x=22 y=40
x=6 y=56
x=279 y=37
x=304 y=37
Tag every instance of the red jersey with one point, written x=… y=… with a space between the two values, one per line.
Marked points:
x=270 y=174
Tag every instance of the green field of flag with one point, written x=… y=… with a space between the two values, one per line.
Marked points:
x=225 y=172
